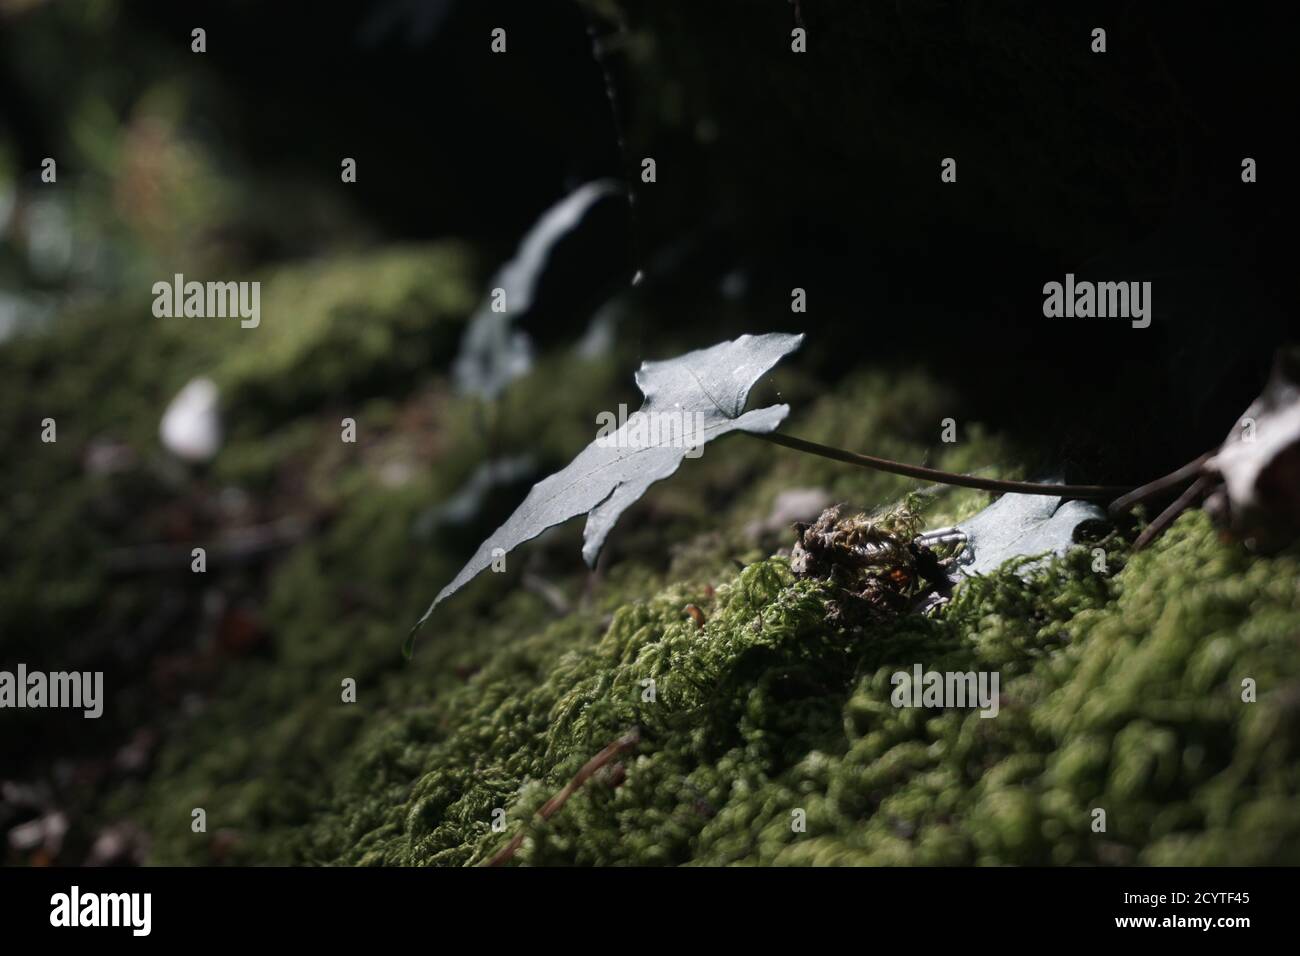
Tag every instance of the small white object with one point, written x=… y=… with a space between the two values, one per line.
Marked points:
x=191 y=426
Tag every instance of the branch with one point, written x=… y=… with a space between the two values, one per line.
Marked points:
x=1160 y=486
x=942 y=477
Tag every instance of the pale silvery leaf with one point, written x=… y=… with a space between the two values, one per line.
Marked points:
x=1021 y=526
x=495 y=351
x=689 y=400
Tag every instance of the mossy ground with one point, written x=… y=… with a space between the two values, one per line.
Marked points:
x=1121 y=690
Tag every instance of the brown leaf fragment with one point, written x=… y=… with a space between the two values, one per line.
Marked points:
x=1260 y=463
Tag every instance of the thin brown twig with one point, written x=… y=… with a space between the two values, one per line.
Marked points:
x=943 y=477
x=1153 y=489
x=553 y=805
x=1163 y=520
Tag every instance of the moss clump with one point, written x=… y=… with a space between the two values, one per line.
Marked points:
x=370 y=324
x=103 y=372
x=1120 y=692
x=348 y=326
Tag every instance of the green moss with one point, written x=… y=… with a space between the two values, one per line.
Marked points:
x=1120 y=692
x=358 y=325
x=340 y=327
x=104 y=372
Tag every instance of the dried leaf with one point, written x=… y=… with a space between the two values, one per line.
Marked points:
x=1021 y=526
x=689 y=400
x=1260 y=462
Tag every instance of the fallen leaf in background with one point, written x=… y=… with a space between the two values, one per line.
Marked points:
x=191 y=425
x=494 y=352
x=462 y=506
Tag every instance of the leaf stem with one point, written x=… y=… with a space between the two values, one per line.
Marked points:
x=943 y=477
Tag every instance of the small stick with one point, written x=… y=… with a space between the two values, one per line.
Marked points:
x=553 y=805
x=943 y=477
x=1166 y=517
